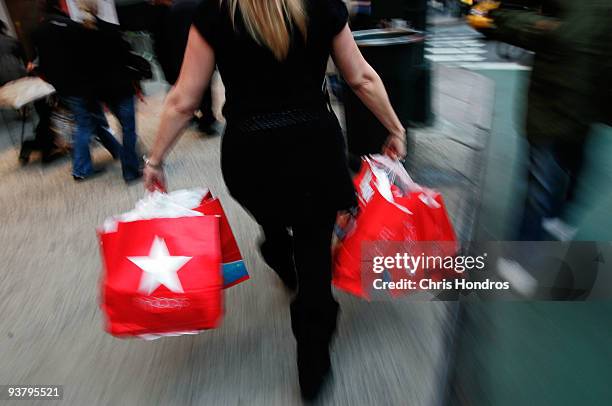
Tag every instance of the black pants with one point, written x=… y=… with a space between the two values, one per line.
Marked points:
x=293 y=176
x=44 y=139
x=314 y=310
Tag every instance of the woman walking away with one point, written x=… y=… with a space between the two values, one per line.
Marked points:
x=282 y=153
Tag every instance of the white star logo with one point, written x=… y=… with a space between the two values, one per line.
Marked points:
x=159 y=268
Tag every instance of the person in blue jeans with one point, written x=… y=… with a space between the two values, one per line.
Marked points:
x=90 y=121
x=89 y=65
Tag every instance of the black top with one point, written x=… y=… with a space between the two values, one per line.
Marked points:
x=106 y=56
x=54 y=42
x=278 y=124
x=83 y=62
x=255 y=81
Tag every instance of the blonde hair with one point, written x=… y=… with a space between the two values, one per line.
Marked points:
x=89 y=9
x=271 y=22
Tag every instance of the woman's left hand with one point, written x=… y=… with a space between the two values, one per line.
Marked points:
x=395 y=147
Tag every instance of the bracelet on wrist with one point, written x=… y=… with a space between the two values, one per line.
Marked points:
x=153 y=165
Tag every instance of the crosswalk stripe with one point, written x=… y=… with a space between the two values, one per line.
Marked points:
x=455 y=58
x=455 y=38
x=454 y=51
x=453 y=41
x=493 y=66
x=451 y=44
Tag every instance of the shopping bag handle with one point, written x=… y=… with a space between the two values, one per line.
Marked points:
x=382 y=184
x=396 y=171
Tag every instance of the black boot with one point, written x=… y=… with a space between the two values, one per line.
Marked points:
x=314 y=368
x=314 y=328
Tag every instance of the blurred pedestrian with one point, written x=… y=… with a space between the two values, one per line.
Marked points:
x=12 y=67
x=283 y=154
x=44 y=138
x=103 y=59
x=59 y=61
x=169 y=21
x=171 y=45
x=569 y=91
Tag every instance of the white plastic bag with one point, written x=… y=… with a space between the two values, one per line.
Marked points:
x=382 y=174
x=392 y=172
x=179 y=203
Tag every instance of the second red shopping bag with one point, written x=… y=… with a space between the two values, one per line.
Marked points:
x=395 y=217
x=233 y=266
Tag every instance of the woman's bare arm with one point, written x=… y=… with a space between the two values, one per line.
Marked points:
x=364 y=81
x=184 y=98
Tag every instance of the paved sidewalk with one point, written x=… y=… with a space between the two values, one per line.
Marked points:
x=51 y=326
x=450 y=155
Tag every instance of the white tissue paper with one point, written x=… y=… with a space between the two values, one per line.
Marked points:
x=179 y=203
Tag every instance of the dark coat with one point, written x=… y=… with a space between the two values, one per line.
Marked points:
x=57 y=53
x=169 y=26
x=83 y=62
x=568 y=90
x=106 y=57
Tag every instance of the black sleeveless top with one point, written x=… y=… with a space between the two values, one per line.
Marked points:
x=255 y=81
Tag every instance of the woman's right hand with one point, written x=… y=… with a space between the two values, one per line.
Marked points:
x=154 y=178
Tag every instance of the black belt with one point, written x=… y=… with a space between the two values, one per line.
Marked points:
x=281 y=119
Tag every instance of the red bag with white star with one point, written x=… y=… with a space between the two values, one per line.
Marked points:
x=162 y=276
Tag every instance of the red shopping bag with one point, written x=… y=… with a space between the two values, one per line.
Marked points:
x=233 y=266
x=431 y=236
x=401 y=219
x=431 y=216
x=162 y=276
x=379 y=221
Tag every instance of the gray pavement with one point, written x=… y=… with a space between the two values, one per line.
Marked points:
x=51 y=329
x=450 y=155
